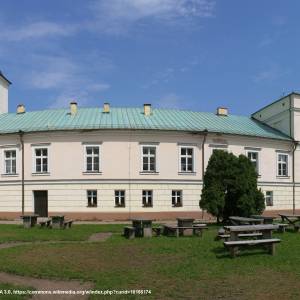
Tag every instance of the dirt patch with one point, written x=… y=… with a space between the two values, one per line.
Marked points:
x=48 y=285
x=100 y=236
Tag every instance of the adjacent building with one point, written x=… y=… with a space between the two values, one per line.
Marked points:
x=118 y=163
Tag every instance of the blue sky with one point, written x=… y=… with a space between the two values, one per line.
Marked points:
x=187 y=54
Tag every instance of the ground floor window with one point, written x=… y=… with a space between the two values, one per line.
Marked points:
x=91 y=198
x=269 y=198
x=120 y=198
x=147 y=198
x=176 y=198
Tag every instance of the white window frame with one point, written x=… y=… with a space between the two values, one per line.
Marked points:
x=34 y=171
x=287 y=164
x=119 y=197
x=85 y=158
x=193 y=159
x=87 y=198
x=147 y=197
x=271 y=197
x=178 y=194
x=4 y=160
x=257 y=161
x=142 y=146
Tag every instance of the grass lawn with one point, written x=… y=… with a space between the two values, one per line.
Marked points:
x=6 y=292
x=11 y=233
x=184 y=268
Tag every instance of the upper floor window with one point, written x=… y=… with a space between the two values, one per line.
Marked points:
x=147 y=198
x=91 y=198
x=41 y=160
x=282 y=164
x=269 y=198
x=148 y=158
x=186 y=159
x=92 y=158
x=176 y=198
x=253 y=157
x=10 y=161
x=120 y=198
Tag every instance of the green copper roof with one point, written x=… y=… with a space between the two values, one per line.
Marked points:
x=133 y=118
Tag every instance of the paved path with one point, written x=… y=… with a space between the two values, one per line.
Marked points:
x=52 y=285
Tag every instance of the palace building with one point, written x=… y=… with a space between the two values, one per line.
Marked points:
x=111 y=163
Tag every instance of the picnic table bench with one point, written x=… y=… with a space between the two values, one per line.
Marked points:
x=143 y=227
x=68 y=224
x=234 y=246
x=292 y=220
x=45 y=222
x=226 y=237
x=179 y=230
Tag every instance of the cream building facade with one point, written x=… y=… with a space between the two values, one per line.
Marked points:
x=113 y=163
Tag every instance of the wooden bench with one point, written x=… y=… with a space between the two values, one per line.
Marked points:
x=235 y=245
x=197 y=229
x=226 y=237
x=157 y=230
x=68 y=224
x=129 y=232
x=45 y=222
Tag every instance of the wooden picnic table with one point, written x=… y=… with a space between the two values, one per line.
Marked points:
x=29 y=220
x=293 y=220
x=58 y=221
x=265 y=229
x=186 y=225
x=244 y=221
x=143 y=227
x=266 y=219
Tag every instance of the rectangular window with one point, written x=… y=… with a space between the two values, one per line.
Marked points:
x=149 y=159
x=91 y=198
x=176 y=198
x=92 y=154
x=269 y=198
x=10 y=161
x=147 y=198
x=41 y=160
x=282 y=162
x=120 y=198
x=253 y=157
x=186 y=159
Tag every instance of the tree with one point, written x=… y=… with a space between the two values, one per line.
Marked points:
x=230 y=187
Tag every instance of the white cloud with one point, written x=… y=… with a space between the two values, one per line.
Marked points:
x=70 y=78
x=270 y=73
x=116 y=16
x=37 y=30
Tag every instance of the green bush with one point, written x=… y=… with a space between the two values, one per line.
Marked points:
x=230 y=187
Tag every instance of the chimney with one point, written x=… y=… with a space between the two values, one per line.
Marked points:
x=222 y=111
x=147 y=109
x=4 y=84
x=106 y=107
x=73 y=108
x=21 y=109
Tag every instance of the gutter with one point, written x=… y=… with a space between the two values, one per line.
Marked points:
x=205 y=133
x=21 y=135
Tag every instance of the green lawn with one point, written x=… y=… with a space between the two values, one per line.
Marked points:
x=11 y=233
x=183 y=268
x=6 y=292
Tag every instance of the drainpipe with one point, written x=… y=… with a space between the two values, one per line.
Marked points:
x=21 y=134
x=293 y=175
x=205 y=132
